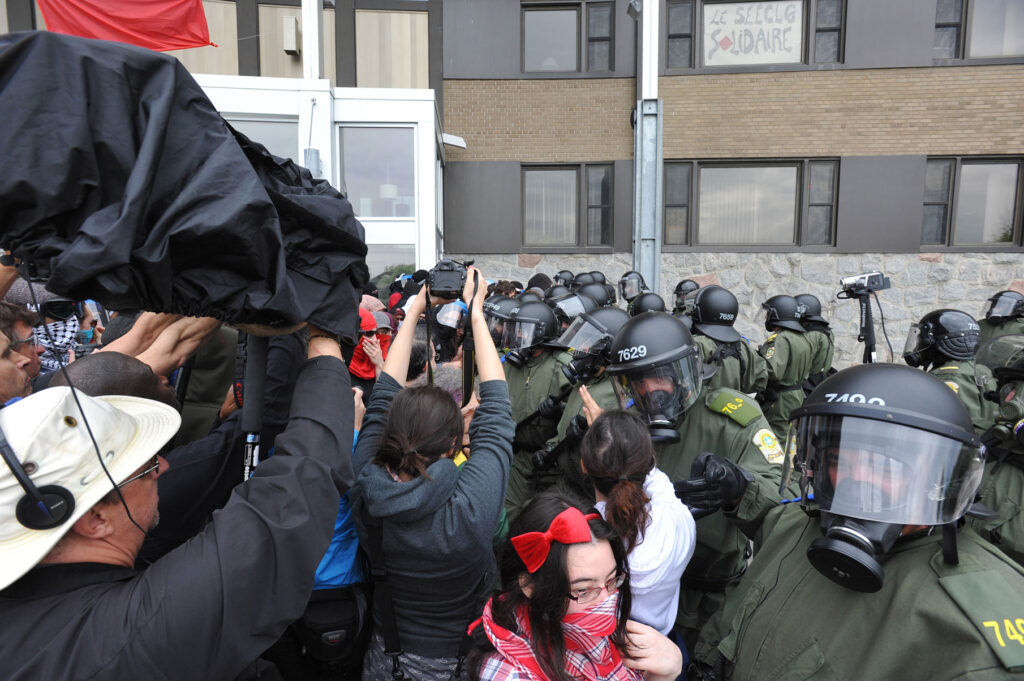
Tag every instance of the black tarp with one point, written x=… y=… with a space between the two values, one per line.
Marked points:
x=120 y=182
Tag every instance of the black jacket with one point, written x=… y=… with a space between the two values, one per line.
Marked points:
x=209 y=608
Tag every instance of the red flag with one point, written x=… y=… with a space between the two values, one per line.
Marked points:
x=157 y=24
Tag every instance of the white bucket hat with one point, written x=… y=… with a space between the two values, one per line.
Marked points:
x=47 y=433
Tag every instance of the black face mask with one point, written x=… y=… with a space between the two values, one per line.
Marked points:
x=848 y=553
x=516 y=357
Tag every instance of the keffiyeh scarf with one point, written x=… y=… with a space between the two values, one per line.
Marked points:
x=64 y=333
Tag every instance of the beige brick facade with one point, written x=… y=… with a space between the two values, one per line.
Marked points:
x=582 y=119
x=966 y=110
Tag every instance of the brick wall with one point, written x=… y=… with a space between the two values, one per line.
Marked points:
x=940 y=110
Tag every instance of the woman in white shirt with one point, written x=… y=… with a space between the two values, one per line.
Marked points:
x=639 y=502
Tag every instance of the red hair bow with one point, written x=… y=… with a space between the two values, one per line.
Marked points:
x=569 y=527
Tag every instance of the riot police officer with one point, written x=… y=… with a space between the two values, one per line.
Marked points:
x=891 y=458
x=1002 y=313
x=683 y=289
x=819 y=334
x=596 y=291
x=571 y=306
x=563 y=278
x=498 y=310
x=943 y=343
x=657 y=368
x=1002 y=488
x=788 y=355
x=631 y=285
x=713 y=310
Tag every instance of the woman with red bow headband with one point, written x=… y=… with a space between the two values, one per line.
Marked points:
x=563 y=611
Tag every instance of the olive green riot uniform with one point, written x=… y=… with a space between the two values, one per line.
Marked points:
x=1002 y=490
x=822 y=342
x=731 y=425
x=789 y=356
x=961 y=378
x=930 y=620
x=739 y=367
x=528 y=386
x=990 y=330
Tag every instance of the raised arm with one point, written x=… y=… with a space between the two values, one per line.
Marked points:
x=488 y=365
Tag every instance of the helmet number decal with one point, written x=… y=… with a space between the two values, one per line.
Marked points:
x=634 y=352
x=855 y=397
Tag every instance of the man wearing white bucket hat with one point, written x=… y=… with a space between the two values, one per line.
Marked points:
x=71 y=605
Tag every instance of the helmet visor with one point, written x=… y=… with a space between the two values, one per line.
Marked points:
x=1002 y=307
x=450 y=315
x=662 y=392
x=630 y=288
x=570 y=307
x=581 y=336
x=885 y=472
x=1002 y=352
x=522 y=334
x=690 y=302
x=913 y=338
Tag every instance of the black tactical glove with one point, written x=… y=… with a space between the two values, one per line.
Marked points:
x=714 y=482
x=577 y=427
x=551 y=408
x=542 y=459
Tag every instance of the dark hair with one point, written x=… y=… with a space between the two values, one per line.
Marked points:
x=11 y=314
x=112 y=373
x=423 y=424
x=548 y=601
x=418 y=357
x=617 y=454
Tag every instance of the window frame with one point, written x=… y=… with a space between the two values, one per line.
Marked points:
x=581 y=244
x=809 y=38
x=669 y=36
x=953 y=195
x=802 y=200
x=583 y=40
x=963 y=45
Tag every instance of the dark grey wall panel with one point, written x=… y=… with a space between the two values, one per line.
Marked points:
x=880 y=204
x=883 y=33
x=622 y=236
x=20 y=15
x=482 y=40
x=482 y=207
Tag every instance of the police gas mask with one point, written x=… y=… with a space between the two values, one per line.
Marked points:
x=589 y=343
x=870 y=479
x=1009 y=426
x=662 y=393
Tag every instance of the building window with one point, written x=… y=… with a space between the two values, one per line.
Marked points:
x=680 y=34
x=551 y=36
x=771 y=204
x=972 y=202
x=753 y=33
x=553 y=202
x=378 y=171
x=279 y=135
x=391 y=49
x=994 y=28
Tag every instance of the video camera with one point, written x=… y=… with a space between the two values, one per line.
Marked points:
x=447 y=279
x=865 y=283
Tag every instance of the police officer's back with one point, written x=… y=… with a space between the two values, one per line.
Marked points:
x=657 y=368
x=789 y=356
x=819 y=334
x=713 y=310
x=873 y=578
x=943 y=343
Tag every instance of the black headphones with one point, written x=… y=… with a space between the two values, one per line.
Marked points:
x=42 y=508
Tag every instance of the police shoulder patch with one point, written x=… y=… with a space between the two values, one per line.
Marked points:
x=769 y=446
x=769 y=353
x=995 y=609
x=739 y=407
x=953 y=386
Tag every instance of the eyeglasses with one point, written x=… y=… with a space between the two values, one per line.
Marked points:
x=152 y=468
x=31 y=341
x=585 y=596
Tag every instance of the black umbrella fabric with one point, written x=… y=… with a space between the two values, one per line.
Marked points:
x=122 y=183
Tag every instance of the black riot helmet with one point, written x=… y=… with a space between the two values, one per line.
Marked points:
x=881 y=446
x=497 y=310
x=683 y=289
x=612 y=297
x=657 y=368
x=589 y=338
x=646 y=302
x=555 y=292
x=529 y=326
x=596 y=291
x=1004 y=356
x=939 y=336
x=714 y=311
x=631 y=284
x=598 y=276
x=571 y=306
x=782 y=311
x=581 y=279
x=1004 y=306
x=529 y=297
x=564 y=277
x=812 y=308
